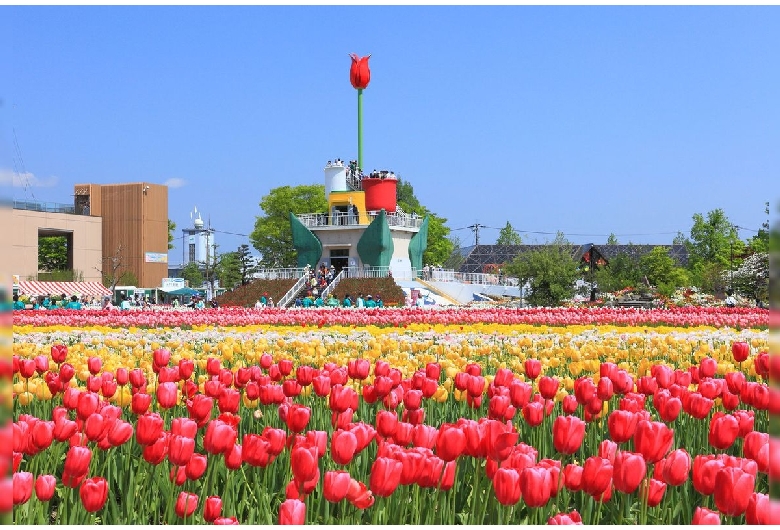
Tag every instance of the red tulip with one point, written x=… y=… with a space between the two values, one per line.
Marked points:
x=584 y=389
x=94 y=365
x=653 y=440
x=342 y=447
x=568 y=433
x=44 y=487
x=604 y=389
x=654 y=491
x=298 y=417
x=303 y=459
x=235 y=457
x=506 y=486
x=119 y=433
x=670 y=409
x=180 y=449
x=608 y=449
x=186 y=503
x=761 y=510
x=155 y=453
x=335 y=486
x=76 y=465
x=94 y=493
x=622 y=425
x=212 y=508
x=167 y=395
x=740 y=351
x=149 y=428
x=42 y=434
x=285 y=367
x=571 y=518
x=184 y=427
x=570 y=404
x=292 y=511
x=160 y=358
x=548 y=387
x=228 y=400
x=22 y=487
x=532 y=368
x=196 y=466
x=705 y=469
x=707 y=367
x=724 y=429
x=733 y=488
x=385 y=476
x=756 y=447
x=140 y=403
x=450 y=443
x=705 y=517
x=58 y=353
x=677 y=466
x=572 y=477
x=520 y=393
x=628 y=471
x=533 y=413
x=359 y=73
x=536 y=484
x=596 y=476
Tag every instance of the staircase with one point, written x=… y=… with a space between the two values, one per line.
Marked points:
x=289 y=297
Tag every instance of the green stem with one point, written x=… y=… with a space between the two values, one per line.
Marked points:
x=360 y=128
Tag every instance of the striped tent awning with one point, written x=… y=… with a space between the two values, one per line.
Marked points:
x=66 y=288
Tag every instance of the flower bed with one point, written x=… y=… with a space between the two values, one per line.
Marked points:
x=124 y=420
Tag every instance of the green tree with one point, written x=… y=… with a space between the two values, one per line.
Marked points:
x=229 y=270
x=713 y=240
x=612 y=239
x=751 y=279
x=440 y=246
x=171 y=231
x=272 y=235
x=662 y=271
x=622 y=271
x=52 y=253
x=246 y=263
x=760 y=241
x=508 y=236
x=550 y=272
x=192 y=274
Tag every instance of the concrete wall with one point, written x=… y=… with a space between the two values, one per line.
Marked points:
x=20 y=242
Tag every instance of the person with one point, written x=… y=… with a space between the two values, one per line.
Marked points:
x=175 y=302
x=46 y=301
x=125 y=304
x=347 y=301
x=214 y=303
x=264 y=299
x=200 y=304
x=36 y=303
x=359 y=303
x=74 y=303
x=318 y=302
x=270 y=302
x=730 y=300
x=258 y=304
x=379 y=302
x=18 y=304
x=332 y=301
x=370 y=303
x=298 y=301
x=308 y=302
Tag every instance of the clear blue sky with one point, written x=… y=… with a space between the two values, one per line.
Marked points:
x=587 y=120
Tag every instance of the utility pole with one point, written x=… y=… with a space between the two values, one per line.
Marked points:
x=475 y=228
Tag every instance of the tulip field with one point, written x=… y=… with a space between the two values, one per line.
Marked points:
x=392 y=416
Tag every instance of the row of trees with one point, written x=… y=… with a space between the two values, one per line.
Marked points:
x=719 y=262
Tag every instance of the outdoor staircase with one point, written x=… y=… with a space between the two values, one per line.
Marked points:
x=437 y=292
x=289 y=297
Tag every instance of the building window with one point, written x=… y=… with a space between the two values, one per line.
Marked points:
x=192 y=252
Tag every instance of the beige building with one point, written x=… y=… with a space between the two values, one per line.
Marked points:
x=107 y=222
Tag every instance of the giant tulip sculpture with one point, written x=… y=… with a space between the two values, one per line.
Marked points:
x=359 y=76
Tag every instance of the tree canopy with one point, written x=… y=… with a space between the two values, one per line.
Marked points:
x=272 y=235
x=550 y=272
x=440 y=246
x=52 y=253
x=509 y=236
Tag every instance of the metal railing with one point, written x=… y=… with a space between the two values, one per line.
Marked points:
x=294 y=290
x=449 y=275
x=48 y=207
x=332 y=285
x=279 y=274
x=316 y=220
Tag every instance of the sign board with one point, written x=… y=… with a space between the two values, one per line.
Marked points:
x=172 y=284
x=156 y=257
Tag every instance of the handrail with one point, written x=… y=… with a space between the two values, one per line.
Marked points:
x=332 y=285
x=294 y=290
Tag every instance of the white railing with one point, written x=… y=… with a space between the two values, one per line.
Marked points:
x=449 y=275
x=401 y=220
x=294 y=290
x=279 y=274
x=332 y=285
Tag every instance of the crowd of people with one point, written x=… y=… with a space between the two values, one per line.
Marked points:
x=56 y=302
x=360 y=302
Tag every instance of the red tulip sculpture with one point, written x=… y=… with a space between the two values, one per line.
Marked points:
x=359 y=76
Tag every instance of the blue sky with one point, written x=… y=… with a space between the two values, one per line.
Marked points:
x=587 y=120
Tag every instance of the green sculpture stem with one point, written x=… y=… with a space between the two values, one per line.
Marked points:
x=360 y=128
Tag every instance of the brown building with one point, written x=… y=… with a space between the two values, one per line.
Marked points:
x=105 y=223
